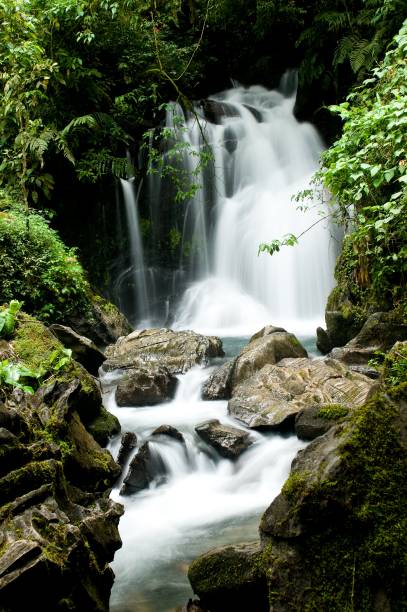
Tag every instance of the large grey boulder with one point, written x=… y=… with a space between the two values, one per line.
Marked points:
x=379 y=333
x=268 y=346
x=273 y=397
x=177 y=351
x=146 y=386
x=230 y=442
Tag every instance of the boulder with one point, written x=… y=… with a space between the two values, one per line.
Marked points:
x=145 y=467
x=83 y=350
x=323 y=341
x=268 y=346
x=215 y=110
x=272 y=398
x=128 y=442
x=102 y=322
x=218 y=385
x=316 y=420
x=104 y=427
x=146 y=386
x=230 y=578
x=379 y=333
x=170 y=432
x=176 y=351
x=230 y=442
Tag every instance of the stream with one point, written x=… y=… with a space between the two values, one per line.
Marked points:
x=205 y=502
x=261 y=156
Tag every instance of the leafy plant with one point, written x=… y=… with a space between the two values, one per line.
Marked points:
x=8 y=318
x=19 y=376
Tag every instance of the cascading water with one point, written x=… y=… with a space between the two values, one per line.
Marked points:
x=205 y=501
x=261 y=156
x=138 y=272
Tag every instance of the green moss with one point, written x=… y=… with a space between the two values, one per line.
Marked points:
x=357 y=538
x=295 y=484
x=33 y=344
x=104 y=427
x=333 y=412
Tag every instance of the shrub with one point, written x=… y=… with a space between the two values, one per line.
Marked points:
x=36 y=267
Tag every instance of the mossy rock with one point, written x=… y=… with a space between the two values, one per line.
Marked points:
x=104 y=427
x=230 y=578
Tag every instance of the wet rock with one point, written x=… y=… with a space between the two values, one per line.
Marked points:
x=83 y=350
x=230 y=442
x=176 y=351
x=170 y=432
x=218 y=385
x=317 y=420
x=145 y=467
x=379 y=333
x=103 y=322
x=193 y=605
x=104 y=427
x=146 y=386
x=323 y=341
x=230 y=578
x=215 y=111
x=6 y=437
x=273 y=397
x=128 y=442
x=268 y=346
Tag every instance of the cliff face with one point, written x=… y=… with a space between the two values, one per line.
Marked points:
x=335 y=538
x=58 y=527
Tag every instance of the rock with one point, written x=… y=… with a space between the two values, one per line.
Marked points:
x=88 y=466
x=214 y=110
x=273 y=397
x=129 y=441
x=379 y=333
x=58 y=527
x=6 y=437
x=104 y=427
x=171 y=432
x=193 y=605
x=230 y=442
x=176 y=351
x=146 y=386
x=83 y=350
x=316 y=420
x=103 y=324
x=143 y=469
x=218 y=385
x=230 y=578
x=323 y=341
x=268 y=346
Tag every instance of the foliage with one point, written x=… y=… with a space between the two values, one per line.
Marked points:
x=79 y=79
x=18 y=376
x=37 y=268
x=8 y=318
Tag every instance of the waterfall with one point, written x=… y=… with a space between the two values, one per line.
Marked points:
x=261 y=157
x=138 y=272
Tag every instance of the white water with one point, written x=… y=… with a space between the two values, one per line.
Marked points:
x=131 y=199
x=206 y=500
x=272 y=158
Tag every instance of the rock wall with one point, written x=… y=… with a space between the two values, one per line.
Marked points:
x=58 y=528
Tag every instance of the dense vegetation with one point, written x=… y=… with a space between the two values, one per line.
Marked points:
x=83 y=82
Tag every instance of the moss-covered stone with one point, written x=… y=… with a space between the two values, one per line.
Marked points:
x=104 y=427
x=231 y=578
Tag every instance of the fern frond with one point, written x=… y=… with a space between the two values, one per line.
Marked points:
x=334 y=20
x=87 y=121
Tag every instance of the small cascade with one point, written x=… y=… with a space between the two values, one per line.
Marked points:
x=198 y=500
x=138 y=272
